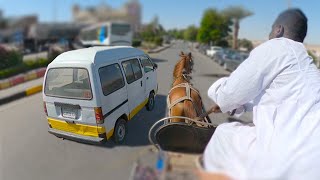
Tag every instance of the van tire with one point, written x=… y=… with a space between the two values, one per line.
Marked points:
x=150 y=103
x=120 y=131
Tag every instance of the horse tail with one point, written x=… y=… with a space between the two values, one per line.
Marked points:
x=189 y=110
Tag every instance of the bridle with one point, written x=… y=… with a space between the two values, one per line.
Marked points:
x=185 y=76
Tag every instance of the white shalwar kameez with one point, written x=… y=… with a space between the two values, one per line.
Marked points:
x=282 y=86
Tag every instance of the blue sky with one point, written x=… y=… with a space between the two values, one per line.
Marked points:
x=180 y=13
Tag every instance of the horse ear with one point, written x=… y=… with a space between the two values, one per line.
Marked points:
x=189 y=55
x=181 y=53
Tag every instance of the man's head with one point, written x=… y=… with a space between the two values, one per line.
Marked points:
x=291 y=24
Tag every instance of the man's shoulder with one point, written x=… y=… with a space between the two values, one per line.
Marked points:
x=272 y=43
x=276 y=45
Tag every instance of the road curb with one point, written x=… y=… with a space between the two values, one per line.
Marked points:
x=159 y=50
x=21 y=78
x=27 y=92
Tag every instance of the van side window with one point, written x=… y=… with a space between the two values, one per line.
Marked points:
x=136 y=69
x=132 y=70
x=128 y=71
x=147 y=65
x=111 y=78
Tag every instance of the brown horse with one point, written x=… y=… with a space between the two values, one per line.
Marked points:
x=183 y=98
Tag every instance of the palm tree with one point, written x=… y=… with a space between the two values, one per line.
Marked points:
x=236 y=13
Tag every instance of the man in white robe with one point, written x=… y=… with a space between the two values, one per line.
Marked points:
x=281 y=85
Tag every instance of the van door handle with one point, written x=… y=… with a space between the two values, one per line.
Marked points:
x=141 y=83
x=147 y=77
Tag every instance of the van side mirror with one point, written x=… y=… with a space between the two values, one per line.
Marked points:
x=155 y=66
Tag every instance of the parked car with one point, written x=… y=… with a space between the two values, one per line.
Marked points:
x=90 y=94
x=220 y=56
x=203 y=48
x=213 y=50
x=233 y=60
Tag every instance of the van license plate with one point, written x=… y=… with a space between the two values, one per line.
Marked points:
x=68 y=113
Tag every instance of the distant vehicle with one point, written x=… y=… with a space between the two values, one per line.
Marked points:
x=89 y=94
x=221 y=56
x=106 y=34
x=213 y=50
x=233 y=60
x=203 y=48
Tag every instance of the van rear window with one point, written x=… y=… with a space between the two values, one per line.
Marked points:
x=69 y=83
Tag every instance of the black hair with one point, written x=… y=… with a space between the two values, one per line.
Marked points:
x=295 y=24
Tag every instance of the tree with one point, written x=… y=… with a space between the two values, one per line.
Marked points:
x=148 y=33
x=190 y=34
x=246 y=44
x=152 y=33
x=175 y=33
x=213 y=28
x=236 y=13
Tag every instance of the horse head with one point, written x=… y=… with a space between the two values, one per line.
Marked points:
x=189 y=62
x=184 y=65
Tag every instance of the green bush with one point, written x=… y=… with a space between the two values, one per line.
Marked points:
x=158 y=41
x=8 y=72
x=36 y=64
x=9 y=58
x=136 y=42
x=24 y=67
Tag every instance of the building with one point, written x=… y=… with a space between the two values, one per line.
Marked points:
x=129 y=12
x=26 y=32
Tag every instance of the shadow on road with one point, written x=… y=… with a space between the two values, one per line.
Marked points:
x=138 y=127
x=156 y=60
x=214 y=75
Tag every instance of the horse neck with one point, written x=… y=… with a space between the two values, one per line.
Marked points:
x=179 y=68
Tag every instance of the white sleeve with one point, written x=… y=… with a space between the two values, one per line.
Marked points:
x=249 y=79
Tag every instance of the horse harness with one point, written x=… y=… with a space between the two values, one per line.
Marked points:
x=188 y=89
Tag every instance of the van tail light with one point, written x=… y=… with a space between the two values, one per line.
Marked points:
x=99 y=115
x=45 y=108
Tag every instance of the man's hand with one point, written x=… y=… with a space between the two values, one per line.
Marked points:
x=216 y=109
x=202 y=175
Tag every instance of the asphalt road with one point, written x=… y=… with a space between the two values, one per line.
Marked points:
x=29 y=152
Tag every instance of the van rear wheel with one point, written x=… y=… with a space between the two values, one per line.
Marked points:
x=120 y=131
x=150 y=103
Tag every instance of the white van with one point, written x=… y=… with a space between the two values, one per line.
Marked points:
x=90 y=94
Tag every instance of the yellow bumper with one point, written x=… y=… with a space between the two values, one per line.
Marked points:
x=79 y=129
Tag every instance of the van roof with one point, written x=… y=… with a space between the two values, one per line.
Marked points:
x=95 y=54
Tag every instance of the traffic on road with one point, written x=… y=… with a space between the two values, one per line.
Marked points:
x=29 y=151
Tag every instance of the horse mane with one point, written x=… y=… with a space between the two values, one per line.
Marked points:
x=179 y=67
